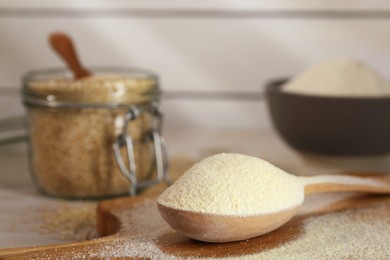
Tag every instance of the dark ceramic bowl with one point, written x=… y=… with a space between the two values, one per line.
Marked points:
x=330 y=125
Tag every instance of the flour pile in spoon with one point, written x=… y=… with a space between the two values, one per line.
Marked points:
x=236 y=185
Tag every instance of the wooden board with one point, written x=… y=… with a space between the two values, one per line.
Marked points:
x=114 y=223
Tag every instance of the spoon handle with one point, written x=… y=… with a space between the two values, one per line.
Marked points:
x=376 y=183
x=63 y=45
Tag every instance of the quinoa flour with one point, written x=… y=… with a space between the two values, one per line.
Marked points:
x=339 y=78
x=234 y=184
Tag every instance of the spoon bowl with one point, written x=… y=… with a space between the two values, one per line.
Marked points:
x=223 y=228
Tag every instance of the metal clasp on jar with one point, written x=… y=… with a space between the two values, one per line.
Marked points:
x=125 y=140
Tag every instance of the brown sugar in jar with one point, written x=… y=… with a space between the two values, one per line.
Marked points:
x=94 y=137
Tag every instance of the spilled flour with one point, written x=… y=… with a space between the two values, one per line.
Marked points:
x=69 y=220
x=352 y=234
x=348 y=234
x=138 y=237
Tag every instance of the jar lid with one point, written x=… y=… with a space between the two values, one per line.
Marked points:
x=106 y=86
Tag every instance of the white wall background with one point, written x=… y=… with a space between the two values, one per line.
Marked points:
x=225 y=49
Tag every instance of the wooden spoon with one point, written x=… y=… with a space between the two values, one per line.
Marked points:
x=64 y=47
x=226 y=228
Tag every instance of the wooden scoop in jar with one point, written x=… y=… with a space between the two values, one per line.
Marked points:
x=64 y=47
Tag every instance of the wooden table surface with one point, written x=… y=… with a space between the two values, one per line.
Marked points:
x=18 y=194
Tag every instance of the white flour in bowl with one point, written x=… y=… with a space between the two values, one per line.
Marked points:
x=339 y=78
x=234 y=184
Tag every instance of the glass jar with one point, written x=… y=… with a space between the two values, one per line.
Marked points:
x=94 y=137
